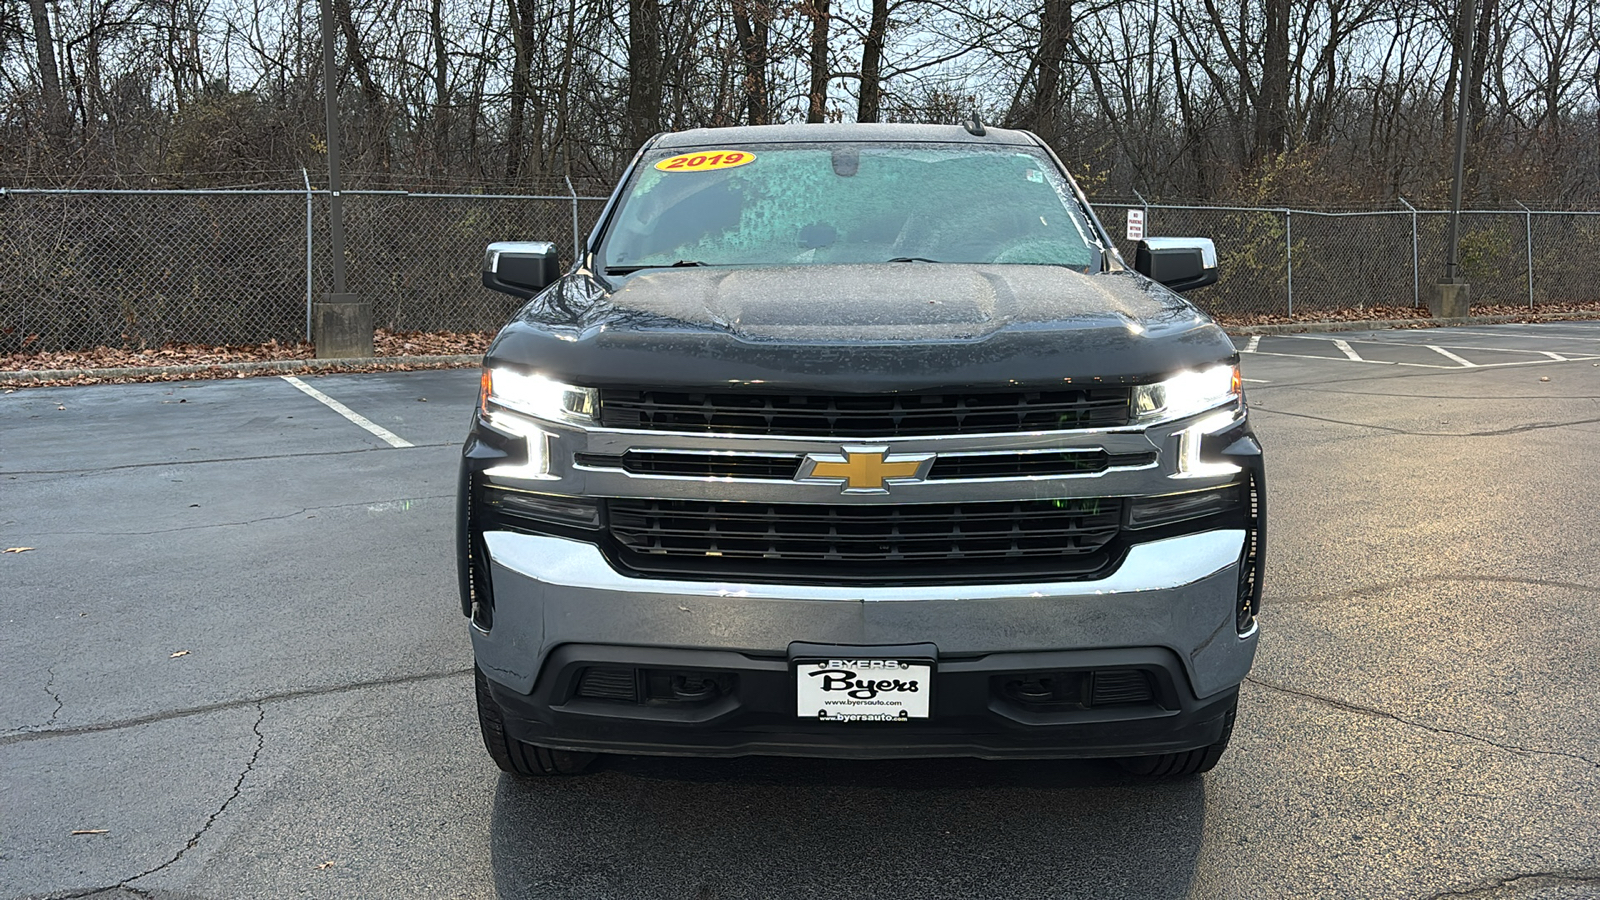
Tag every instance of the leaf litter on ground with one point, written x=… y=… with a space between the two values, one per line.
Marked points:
x=397 y=346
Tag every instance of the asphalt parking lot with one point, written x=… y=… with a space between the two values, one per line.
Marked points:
x=234 y=661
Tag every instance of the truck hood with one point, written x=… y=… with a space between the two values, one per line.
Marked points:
x=858 y=328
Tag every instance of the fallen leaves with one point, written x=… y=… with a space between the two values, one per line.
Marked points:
x=385 y=343
x=178 y=654
x=326 y=865
x=167 y=355
x=430 y=343
x=16 y=550
x=1378 y=313
x=1521 y=309
x=403 y=344
x=1353 y=314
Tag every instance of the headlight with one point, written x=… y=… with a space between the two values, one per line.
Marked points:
x=536 y=396
x=1187 y=393
x=503 y=393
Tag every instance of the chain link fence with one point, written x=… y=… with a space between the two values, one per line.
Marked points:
x=1276 y=261
x=80 y=269
x=416 y=257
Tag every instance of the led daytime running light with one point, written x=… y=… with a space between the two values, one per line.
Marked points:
x=1190 y=465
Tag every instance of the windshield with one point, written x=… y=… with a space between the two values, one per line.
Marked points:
x=848 y=203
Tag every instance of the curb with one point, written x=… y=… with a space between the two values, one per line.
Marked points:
x=1381 y=324
x=275 y=366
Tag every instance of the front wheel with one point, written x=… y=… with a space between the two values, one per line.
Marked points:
x=1184 y=762
x=512 y=755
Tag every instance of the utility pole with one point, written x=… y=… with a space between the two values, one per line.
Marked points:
x=1453 y=296
x=342 y=324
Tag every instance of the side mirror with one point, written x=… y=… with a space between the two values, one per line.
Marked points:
x=520 y=268
x=1182 y=264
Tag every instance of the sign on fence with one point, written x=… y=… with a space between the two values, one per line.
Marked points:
x=1135 y=224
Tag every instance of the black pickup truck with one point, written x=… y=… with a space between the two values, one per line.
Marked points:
x=858 y=441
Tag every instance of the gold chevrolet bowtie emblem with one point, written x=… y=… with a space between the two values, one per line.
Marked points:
x=865 y=470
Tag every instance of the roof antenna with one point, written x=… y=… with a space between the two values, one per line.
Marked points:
x=974 y=125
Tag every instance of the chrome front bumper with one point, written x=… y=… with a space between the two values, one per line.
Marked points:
x=1180 y=594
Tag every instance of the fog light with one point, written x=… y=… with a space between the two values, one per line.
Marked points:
x=1148 y=512
x=555 y=509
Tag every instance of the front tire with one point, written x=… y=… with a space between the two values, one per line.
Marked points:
x=514 y=756
x=1185 y=762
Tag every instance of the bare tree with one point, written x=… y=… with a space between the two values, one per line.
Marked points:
x=1055 y=32
x=1272 y=98
x=644 y=70
x=522 y=15
x=1193 y=98
x=821 y=73
x=752 y=21
x=871 y=93
x=44 y=42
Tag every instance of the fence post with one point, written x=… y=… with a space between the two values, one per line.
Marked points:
x=1416 y=260
x=1527 y=219
x=1288 y=253
x=577 y=246
x=307 y=177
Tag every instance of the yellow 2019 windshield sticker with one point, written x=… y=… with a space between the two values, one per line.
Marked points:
x=706 y=160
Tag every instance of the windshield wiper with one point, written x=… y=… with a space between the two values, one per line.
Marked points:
x=680 y=264
x=913 y=259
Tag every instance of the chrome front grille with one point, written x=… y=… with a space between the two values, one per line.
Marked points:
x=947 y=467
x=697 y=464
x=1032 y=463
x=866 y=416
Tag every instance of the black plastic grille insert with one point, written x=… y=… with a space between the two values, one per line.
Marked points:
x=867 y=542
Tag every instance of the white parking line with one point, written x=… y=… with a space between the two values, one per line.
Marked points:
x=1440 y=348
x=1334 y=359
x=384 y=434
x=1454 y=361
x=1465 y=363
x=1455 y=368
x=1345 y=349
x=1525 y=334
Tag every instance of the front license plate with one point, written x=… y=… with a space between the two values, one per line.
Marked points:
x=863 y=690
